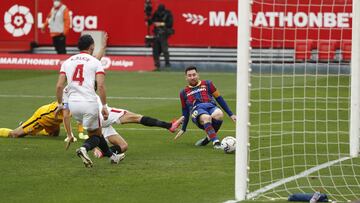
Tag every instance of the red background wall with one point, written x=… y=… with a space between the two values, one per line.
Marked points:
x=124 y=20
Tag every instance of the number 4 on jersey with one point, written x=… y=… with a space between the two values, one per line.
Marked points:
x=78 y=74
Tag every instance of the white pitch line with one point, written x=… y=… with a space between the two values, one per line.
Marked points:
x=159 y=129
x=24 y=96
x=109 y=97
x=289 y=179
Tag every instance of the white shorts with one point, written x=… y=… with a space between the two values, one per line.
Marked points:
x=114 y=117
x=108 y=131
x=86 y=113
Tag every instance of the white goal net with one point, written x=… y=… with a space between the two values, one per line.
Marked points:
x=300 y=98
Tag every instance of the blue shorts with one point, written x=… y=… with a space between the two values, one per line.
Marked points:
x=202 y=108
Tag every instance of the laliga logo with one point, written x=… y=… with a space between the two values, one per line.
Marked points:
x=105 y=62
x=18 y=20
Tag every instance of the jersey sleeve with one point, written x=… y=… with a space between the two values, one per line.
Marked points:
x=212 y=89
x=99 y=68
x=62 y=68
x=185 y=111
x=219 y=98
x=182 y=99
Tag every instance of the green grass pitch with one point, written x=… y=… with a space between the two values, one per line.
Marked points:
x=156 y=169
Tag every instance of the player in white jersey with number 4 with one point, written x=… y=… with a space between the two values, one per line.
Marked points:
x=118 y=116
x=80 y=72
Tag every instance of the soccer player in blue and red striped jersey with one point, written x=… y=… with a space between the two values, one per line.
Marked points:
x=198 y=100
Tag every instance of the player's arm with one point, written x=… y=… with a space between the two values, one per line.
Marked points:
x=221 y=101
x=67 y=124
x=59 y=91
x=67 y=118
x=101 y=52
x=67 y=121
x=100 y=79
x=185 y=113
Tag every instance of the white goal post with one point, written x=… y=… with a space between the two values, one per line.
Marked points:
x=329 y=144
x=355 y=82
x=242 y=99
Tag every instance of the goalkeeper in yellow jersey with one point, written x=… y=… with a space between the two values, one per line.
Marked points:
x=42 y=122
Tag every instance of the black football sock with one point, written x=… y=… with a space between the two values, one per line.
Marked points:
x=216 y=124
x=91 y=143
x=116 y=149
x=148 y=121
x=104 y=147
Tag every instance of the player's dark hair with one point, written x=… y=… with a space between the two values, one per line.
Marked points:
x=190 y=68
x=85 y=42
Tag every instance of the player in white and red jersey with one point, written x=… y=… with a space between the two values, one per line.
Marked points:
x=80 y=72
x=119 y=116
x=123 y=116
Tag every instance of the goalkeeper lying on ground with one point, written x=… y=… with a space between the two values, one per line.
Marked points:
x=42 y=122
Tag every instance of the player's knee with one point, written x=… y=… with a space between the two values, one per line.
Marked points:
x=218 y=115
x=205 y=118
x=131 y=118
x=123 y=146
x=117 y=140
x=136 y=117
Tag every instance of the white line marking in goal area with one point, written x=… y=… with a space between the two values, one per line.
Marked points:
x=109 y=97
x=300 y=175
x=159 y=129
x=231 y=201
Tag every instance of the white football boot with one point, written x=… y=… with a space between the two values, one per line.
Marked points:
x=116 y=158
x=82 y=153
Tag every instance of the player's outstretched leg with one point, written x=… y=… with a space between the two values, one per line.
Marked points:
x=176 y=123
x=130 y=117
x=149 y=121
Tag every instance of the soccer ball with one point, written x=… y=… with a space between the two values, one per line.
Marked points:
x=228 y=144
